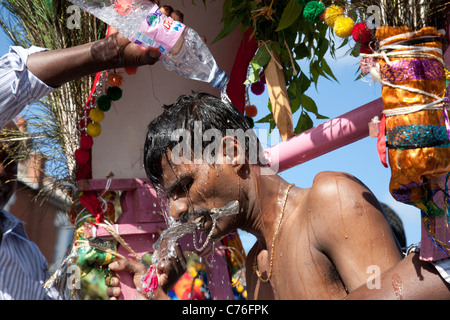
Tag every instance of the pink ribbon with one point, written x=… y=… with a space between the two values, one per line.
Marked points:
x=150 y=282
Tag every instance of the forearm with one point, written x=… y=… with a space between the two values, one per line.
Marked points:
x=411 y=279
x=56 y=67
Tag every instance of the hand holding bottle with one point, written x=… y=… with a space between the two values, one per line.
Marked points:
x=129 y=54
x=56 y=67
x=146 y=24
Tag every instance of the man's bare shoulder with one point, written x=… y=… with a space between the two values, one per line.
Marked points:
x=339 y=191
x=329 y=181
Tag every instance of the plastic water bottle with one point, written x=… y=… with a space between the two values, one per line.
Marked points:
x=182 y=49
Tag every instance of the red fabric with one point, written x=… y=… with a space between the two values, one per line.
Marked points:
x=381 y=143
x=90 y=201
x=236 y=87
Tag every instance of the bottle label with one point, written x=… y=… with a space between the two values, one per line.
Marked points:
x=159 y=31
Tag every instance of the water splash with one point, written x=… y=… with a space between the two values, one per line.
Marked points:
x=179 y=229
x=224 y=95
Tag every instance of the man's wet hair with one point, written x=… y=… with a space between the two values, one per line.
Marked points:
x=210 y=111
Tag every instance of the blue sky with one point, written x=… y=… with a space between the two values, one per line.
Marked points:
x=359 y=159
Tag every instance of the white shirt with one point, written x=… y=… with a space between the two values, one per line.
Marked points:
x=18 y=86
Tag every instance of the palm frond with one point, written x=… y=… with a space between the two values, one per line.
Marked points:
x=43 y=23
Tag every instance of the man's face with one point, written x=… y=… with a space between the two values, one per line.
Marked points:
x=193 y=188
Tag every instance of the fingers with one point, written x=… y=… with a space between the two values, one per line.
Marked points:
x=166 y=9
x=177 y=15
x=170 y=12
x=113 y=284
x=152 y=55
x=127 y=265
x=113 y=290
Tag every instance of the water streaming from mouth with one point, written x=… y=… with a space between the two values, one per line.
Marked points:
x=178 y=229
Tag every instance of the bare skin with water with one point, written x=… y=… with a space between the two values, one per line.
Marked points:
x=320 y=242
x=330 y=234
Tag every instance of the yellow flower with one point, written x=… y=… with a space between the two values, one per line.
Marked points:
x=343 y=26
x=331 y=13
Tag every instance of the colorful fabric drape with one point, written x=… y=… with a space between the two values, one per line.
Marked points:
x=411 y=70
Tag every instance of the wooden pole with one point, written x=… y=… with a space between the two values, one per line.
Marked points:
x=278 y=96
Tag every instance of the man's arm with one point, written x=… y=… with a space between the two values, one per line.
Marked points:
x=352 y=230
x=27 y=75
x=411 y=279
x=56 y=67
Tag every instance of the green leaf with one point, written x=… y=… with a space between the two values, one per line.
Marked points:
x=309 y=104
x=230 y=24
x=326 y=68
x=305 y=83
x=259 y=61
x=356 y=50
x=290 y=14
x=304 y=123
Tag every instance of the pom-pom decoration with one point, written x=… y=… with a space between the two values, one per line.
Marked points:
x=94 y=129
x=313 y=10
x=331 y=13
x=257 y=88
x=262 y=77
x=115 y=79
x=96 y=115
x=81 y=156
x=251 y=110
x=104 y=103
x=86 y=142
x=131 y=71
x=343 y=26
x=361 y=33
x=114 y=93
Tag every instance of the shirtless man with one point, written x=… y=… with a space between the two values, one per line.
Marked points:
x=317 y=243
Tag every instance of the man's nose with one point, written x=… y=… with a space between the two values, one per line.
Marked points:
x=178 y=207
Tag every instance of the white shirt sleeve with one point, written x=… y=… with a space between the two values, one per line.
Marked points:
x=18 y=86
x=443 y=267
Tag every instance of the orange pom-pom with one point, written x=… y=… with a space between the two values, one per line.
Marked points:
x=115 y=79
x=251 y=110
x=130 y=71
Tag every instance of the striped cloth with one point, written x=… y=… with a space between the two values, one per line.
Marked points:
x=18 y=86
x=23 y=268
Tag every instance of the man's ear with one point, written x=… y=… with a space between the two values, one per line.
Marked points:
x=231 y=152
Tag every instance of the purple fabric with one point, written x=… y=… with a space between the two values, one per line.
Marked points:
x=413 y=69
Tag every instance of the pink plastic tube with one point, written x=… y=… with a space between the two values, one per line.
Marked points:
x=331 y=135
